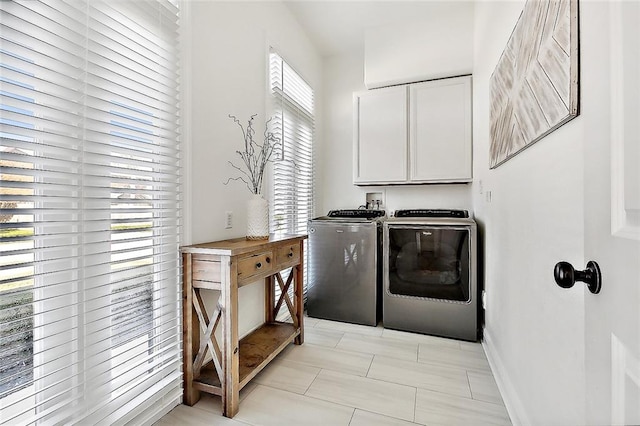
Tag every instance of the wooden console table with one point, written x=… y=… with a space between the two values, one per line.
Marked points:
x=225 y=266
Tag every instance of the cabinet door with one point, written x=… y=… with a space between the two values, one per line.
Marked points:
x=440 y=135
x=380 y=136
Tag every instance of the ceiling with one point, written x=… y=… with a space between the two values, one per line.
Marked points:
x=336 y=27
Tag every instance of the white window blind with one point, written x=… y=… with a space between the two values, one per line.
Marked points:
x=89 y=211
x=293 y=124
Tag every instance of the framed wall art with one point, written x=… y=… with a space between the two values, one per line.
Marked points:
x=534 y=88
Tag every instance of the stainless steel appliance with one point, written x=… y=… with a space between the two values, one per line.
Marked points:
x=344 y=271
x=430 y=273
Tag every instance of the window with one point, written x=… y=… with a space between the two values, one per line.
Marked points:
x=89 y=210
x=293 y=124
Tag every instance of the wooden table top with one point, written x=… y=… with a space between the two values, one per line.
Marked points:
x=238 y=246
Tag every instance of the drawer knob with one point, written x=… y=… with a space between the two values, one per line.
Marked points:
x=290 y=254
x=268 y=260
x=258 y=265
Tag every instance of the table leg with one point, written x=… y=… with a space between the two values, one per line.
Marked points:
x=190 y=333
x=230 y=345
x=269 y=299
x=298 y=296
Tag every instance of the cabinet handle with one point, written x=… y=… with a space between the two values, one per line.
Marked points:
x=258 y=265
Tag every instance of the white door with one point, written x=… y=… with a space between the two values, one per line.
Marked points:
x=611 y=99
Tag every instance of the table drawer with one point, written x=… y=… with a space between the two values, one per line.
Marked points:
x=289 y=253
x=204 y=270
x=258 y=264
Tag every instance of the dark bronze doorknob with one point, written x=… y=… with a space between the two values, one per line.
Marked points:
x=566 y=276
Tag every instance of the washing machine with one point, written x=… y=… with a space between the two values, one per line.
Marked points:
x=430 y=282
x=344 y=268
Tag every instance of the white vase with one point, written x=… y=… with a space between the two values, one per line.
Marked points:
x=257 y=218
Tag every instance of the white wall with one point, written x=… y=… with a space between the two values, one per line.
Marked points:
x=534 y=331
x=343 y=75
x=229 y=76
x=439 y=45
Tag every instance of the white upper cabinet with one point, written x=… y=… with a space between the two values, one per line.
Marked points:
x=416 y=133
x=440 y=130
x=380 y=136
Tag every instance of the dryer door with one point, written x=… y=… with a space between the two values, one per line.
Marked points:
x=425 y=261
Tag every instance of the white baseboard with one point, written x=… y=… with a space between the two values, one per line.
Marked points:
x=515 y=407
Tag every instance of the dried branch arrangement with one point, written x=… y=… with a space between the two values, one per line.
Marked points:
x=255 y=156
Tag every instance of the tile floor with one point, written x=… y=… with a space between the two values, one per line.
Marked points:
x=347 y=374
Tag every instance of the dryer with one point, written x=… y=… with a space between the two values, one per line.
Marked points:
x=430 y=280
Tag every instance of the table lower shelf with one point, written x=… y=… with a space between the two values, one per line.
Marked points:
x=256 y=350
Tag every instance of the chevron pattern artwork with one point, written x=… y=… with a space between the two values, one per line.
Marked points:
x=534 y=88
